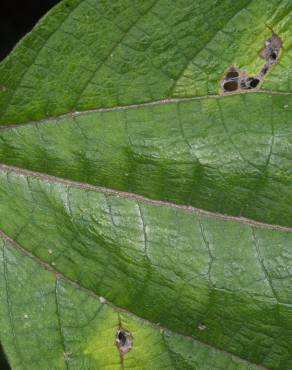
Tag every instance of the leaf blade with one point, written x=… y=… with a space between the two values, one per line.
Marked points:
x=92 y=324
x=228 y=155
x=129 y=53
x=86 y=228
x=189 y=265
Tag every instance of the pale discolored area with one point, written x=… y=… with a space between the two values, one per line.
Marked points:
x=167 y=265
x=72 y=330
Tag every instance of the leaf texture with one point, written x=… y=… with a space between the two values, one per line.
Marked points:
x=225 y=154
x=73 y=330
x=135 y=195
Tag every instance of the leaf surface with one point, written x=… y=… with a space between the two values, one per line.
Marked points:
x=73 y=330
x=126 y=174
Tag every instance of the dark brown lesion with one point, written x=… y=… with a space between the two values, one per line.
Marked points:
x=236 y=80
x=124 y=341
x=230 y=81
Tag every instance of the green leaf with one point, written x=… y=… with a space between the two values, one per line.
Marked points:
x=54 y=324
x=145 y=215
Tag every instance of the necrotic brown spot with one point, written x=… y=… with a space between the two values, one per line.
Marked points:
x=230 y=86
x=232 y=74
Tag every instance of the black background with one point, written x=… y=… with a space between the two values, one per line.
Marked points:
x=18 y=18
x=3 y=362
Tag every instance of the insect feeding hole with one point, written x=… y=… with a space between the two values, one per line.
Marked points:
x=124 y=341
x=237 y=80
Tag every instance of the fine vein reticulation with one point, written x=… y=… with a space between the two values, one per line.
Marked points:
x=125 y=175
x=155 y=334
x=212 y=154
x=96 y=241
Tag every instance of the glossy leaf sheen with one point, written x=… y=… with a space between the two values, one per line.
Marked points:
x=124 y=179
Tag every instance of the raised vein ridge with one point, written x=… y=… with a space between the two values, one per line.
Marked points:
x=141 y=198
x=138 y=106
x=93 y=294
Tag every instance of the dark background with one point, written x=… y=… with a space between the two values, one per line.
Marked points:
x=17 y=17
x=3 y=362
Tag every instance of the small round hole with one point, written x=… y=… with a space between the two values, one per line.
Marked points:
x=124 y=341
x=230 y=86
x=122 y=337
x=273 y=55
x=254 y=82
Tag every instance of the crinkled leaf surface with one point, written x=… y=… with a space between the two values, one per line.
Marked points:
x=135 y=196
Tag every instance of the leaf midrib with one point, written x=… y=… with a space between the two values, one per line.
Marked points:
x=140 y=198
x=216 y=31
x=58 y=275
x=167 y=101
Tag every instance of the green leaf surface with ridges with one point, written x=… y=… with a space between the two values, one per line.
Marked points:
x=227 y=154
x=126 y=174
x=168 y=264
x=70 y=323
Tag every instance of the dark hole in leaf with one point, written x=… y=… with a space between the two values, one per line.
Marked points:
x=122 y=337
x=273 y=55
x=235 y=79
x=254 y=82
x=4 y=365
x=249 y=83
x=124 y=341
x=230 y=86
